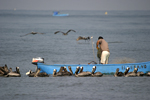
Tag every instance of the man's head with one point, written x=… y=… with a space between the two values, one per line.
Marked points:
x=100 y=37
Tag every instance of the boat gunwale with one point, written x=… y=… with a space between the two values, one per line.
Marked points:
x=99 y=64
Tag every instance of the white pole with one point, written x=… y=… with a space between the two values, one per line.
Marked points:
x=93 y=48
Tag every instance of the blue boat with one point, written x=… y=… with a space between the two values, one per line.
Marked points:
x=56 y=13
x=103 y=68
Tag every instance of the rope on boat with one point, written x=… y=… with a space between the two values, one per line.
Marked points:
x=93 y=49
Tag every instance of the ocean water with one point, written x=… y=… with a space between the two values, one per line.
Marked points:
x=127 y=33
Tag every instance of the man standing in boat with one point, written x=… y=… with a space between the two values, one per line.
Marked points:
x=103 y=45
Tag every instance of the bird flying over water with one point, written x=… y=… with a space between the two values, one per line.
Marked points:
x=64 y=32
x=83 y=38
x=32 y=33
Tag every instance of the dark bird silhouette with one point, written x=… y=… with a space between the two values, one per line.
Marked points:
x=32 y=33
x=64 y=32
x=83 y=38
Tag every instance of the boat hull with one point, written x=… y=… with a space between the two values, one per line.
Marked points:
x=60 y=14
x=105 y=69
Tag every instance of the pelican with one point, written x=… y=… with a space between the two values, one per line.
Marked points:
x=135 y=73
x=14 y=74
x=148 y=74
x=97 y=74
x=82 y=38
x=67 y=73
x=81 y=73
x=126 y=71
x=139 y=73
x=117 y=73
x=62 y=72
x=4 y=70
x=64 y=32
x=33 y=74
x=132 y=74
x=33 y=33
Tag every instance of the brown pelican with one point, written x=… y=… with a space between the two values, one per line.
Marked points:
x=33 y=74
x=83 y=38
x=32 y=33
x=81 y=73
x=97 y=74
x=132 y=74
x=63 y=72
x=4 y=70
x=148 y=74
x=67 y=73
x=30 y=73
x=126 y=71
x=15 y=73
x=64 y=32
x=139 y=73
x=117 y=73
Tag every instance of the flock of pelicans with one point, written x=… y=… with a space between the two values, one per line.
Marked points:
x=64 y=33
x=5 y=72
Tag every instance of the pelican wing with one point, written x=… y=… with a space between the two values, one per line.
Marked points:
x=25 y=34
x=40 y=33
x=57 y=32
x=70 y=30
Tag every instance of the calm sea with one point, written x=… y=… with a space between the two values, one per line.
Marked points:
x=128 y=36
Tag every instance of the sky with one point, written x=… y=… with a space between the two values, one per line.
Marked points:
x=75 y=4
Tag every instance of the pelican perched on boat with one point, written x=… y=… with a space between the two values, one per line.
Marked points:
x=82 y=38
x=33 y=33
x=64 y=32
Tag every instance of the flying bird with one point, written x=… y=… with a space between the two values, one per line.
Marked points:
x=32 y=33
x=83 y=38
x=64 y=32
